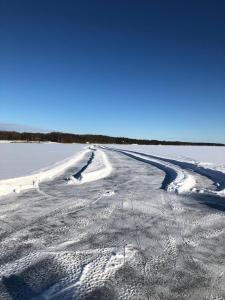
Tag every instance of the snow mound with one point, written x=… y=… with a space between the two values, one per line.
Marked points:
x=98 y=167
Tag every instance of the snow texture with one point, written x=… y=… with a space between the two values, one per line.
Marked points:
x=151 y=228
x=96 y=168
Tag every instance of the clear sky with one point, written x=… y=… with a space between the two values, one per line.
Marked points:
x=145 y=69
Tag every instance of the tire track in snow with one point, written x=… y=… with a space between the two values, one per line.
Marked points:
x=69 y=209
x=72 y=208
x=171 y=174
x=187 y=249
x=97 y=161
x=170 y=257
x=78 y=175
x=97 y=167
x=217 y=177
x=55 y=213
x=186 y=171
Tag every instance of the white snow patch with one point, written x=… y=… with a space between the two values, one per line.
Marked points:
x=182 y=184
x=18 y=184
x=22 y=159
x=5 y=142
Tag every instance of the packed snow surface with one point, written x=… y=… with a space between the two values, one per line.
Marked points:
x=117 y=222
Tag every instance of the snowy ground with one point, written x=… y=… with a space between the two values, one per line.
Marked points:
x=207 y=154
x=19 y=159
x=118 y=224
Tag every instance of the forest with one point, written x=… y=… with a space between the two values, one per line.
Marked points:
x=61 y=137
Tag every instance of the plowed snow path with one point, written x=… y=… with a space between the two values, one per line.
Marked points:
x=119 y=237
x=182 y=176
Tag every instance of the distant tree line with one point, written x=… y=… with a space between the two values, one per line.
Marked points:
x=61 y=137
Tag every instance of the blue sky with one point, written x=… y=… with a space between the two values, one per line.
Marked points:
x=145 y=69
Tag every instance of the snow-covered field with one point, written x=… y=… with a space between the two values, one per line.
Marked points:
x=204 y=154
x=19 y=159
x=114 y=222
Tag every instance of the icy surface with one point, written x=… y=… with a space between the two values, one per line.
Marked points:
x=128 y=235
x=20 y=159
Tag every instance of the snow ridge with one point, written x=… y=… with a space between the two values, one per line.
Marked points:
x=99 y=167
x=18 y=184
x=181 y=177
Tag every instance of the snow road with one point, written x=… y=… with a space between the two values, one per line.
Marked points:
x=128 y=230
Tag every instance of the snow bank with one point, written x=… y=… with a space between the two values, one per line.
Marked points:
x=99 y=168
x=31 y=181
x=5 y=142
